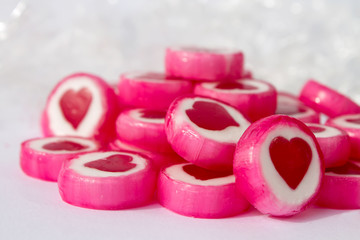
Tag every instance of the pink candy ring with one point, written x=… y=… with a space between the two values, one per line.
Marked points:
x=341 y=187
x=107 y=180
x=150 y=90
x=159 y=160
x=288 y=104
x=42 y=158
x=204 y=131
x=143 y=128
x=204 y=64
x=253 y=98
x=81 y=105
x=334 y=144
x=196 y=192
x=278 y=165
x=351 y=125
x=326 y=100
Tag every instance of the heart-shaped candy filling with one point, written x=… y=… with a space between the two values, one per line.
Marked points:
x=64 y=145
x=203 y=174
x=316 y=129
x=288 y=109
x=356 y=120
x=235 y=85
x=113 y=163
x=75 y=104
x=211 y=116
x=349 y=169
x=291 y=159
x=153 y=114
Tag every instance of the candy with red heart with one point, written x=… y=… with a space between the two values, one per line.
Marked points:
x=81 y=105
x=42 y=158
x=197 y=192
x=107 y=180
x=278 y=165
x=334 y=144
x=204 y=64
x=350 y=123
x=204 y=131
x=326 y=100
x=158 y=159
x=150 y=90
x=253 y=98
x=288 y=104
x=341 y=187
x=143 y=128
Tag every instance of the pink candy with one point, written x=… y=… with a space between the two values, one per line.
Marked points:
x=204 y=136
x=278 y=165
x=81 y=105
x=204 y=64
x=192 y=191
x=327 y=100
x=253 y=98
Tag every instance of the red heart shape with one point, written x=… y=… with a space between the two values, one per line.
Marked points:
x=288 y=109
x=235 y=85
x=203 y=174
x=64 y=145
x=153 y=114
x=74 y=105
x=356 y=120
x=210 y=115
x=113 y=163
x=291 y=159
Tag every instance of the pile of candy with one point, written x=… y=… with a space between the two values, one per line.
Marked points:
x=206 y=137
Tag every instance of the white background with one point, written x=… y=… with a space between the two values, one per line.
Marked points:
x=285 y=42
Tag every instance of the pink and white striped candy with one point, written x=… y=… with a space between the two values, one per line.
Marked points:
x=159 y=160
x=253 y=98
x=143 y=128
x=196 y=192
x=351 y=125
x=107 y=180
x=204 y=64
x=42 y=158
x=290 y=105
x=204 y=131
x=81 y=105
x=341 y=187
x=326 y=100
x=150 y=90
x=278 y=165
x=334 y=144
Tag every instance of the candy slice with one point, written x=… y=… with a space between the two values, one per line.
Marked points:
x=150 y=90
x=81 y=105
x=204 y=64
x=278 y=165
x=326 y=100
x=341 y=187
x=159 y=160
x=351 y=125
x=204 y=131
x=107 y=180
x=288 y=104
x=253 y=98
x=42 y=158
x=334 y=144
x=143 y=128
x=196 y=192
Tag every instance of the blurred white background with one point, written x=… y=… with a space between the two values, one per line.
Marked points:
x=285 y=42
